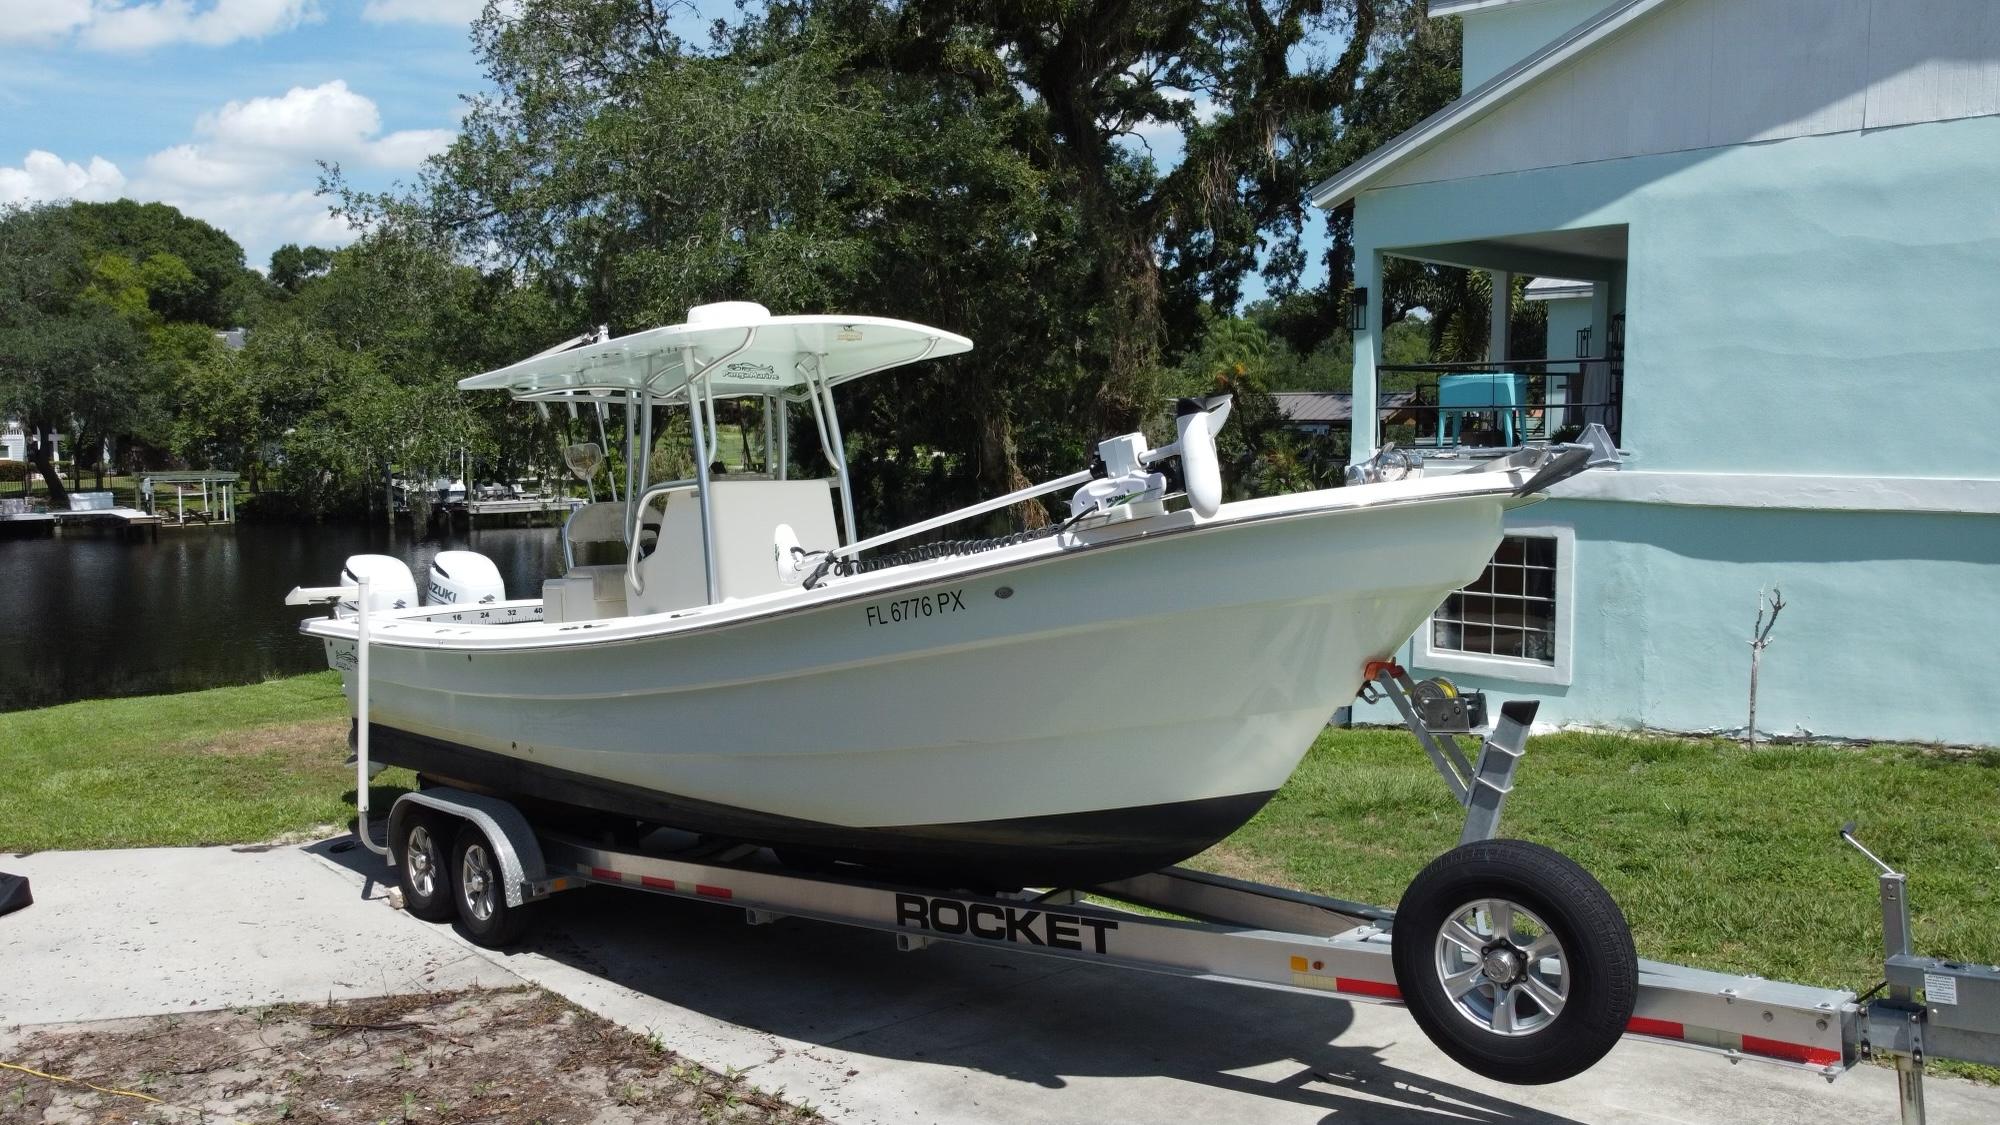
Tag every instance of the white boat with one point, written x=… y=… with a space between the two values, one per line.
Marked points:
x=1067 y=707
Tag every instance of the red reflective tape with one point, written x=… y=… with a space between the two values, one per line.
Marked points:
x=1791 y=1052
x=651 y=881
x=605 y=873
x=713 y=892
x=1664 y=1029
x=1368 y=988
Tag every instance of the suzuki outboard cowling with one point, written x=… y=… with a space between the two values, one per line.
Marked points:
x=464 y=578
x=390 y=585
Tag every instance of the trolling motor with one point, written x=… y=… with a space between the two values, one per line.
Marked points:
x=1127 y=487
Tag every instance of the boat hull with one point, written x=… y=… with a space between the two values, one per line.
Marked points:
x=1057 y=716
x=1066 y=849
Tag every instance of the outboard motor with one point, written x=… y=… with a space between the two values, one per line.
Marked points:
x=464 y=578
x=390 y=585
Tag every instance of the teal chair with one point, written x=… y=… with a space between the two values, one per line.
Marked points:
x=1504 y=394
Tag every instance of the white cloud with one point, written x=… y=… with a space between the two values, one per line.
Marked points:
x=410 y=147
x=24 y=20
x=262 y=221
x=249 y=168
x=253 y=141
x=423 y=11
x=121 y=25
x=196 y=166
x=318 y=119
x=250 y=163
x=45 y=176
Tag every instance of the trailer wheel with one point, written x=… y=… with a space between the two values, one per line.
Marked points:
x=483 y=913
x=423 y=864
x=1515 y=962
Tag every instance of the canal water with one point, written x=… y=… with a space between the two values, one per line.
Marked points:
x=88 y=615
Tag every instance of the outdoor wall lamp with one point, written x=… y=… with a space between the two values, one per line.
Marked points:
x=1357 y=308
x=1583 y=343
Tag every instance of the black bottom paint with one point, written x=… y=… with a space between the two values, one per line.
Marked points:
x=1068 y=850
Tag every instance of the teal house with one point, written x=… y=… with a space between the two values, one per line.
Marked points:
x=1768 y=236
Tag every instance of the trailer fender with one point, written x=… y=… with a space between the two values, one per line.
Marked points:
x=514 y=843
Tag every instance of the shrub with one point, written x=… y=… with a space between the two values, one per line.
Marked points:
x=14 y=471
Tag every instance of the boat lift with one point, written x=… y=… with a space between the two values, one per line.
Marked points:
x=477 y=859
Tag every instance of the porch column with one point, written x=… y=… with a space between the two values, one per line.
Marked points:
x=1597 y=376
x=1501 y=314
x=1600 y=316
x=1364 y=420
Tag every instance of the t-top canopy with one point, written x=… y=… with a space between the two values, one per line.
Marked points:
x=738 y=345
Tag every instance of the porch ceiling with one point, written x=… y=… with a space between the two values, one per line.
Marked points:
x=1587 y=253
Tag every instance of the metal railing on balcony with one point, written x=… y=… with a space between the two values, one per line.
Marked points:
x=1448 y=406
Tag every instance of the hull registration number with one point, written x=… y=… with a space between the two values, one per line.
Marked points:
x=914 y=609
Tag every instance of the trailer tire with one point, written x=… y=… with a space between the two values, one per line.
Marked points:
x=1515 y=961
x=422 y=846
x=479 y=896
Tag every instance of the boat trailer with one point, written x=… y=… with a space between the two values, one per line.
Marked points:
x=476 y=859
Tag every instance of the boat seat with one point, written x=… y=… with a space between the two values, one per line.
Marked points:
x=596 y=534
x=586 y=593
x=746 y=515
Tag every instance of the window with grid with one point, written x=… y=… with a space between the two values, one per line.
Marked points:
x=1510 y=611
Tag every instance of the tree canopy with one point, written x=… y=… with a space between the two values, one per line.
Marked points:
x=1084 y=187
x=100 y=305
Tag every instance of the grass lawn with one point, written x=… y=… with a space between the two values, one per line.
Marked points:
x=228 y=766
x=1721 y=857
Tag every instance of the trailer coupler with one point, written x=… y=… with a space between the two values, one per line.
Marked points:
x=1934 y=1009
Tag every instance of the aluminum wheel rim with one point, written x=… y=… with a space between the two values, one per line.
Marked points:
x=476 y=879
x=1502 y=967
x=421 y=857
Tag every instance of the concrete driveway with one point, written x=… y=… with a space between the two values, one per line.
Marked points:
x=836 y=1017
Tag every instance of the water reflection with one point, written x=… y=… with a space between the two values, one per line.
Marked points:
x=94 y=615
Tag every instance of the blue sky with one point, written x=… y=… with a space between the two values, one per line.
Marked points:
x=222 y=107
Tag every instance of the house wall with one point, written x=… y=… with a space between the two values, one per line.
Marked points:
x=1567 y=315
x=1886 y=634
x=1497 y=38
x=1704 y=73
x=1812 y=393
x=14 y=444
x=1796 y=308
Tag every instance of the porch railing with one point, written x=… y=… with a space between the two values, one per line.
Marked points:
x=1486 y=404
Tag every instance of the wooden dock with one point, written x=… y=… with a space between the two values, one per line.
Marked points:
x=476 y=510
x=129 y=520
